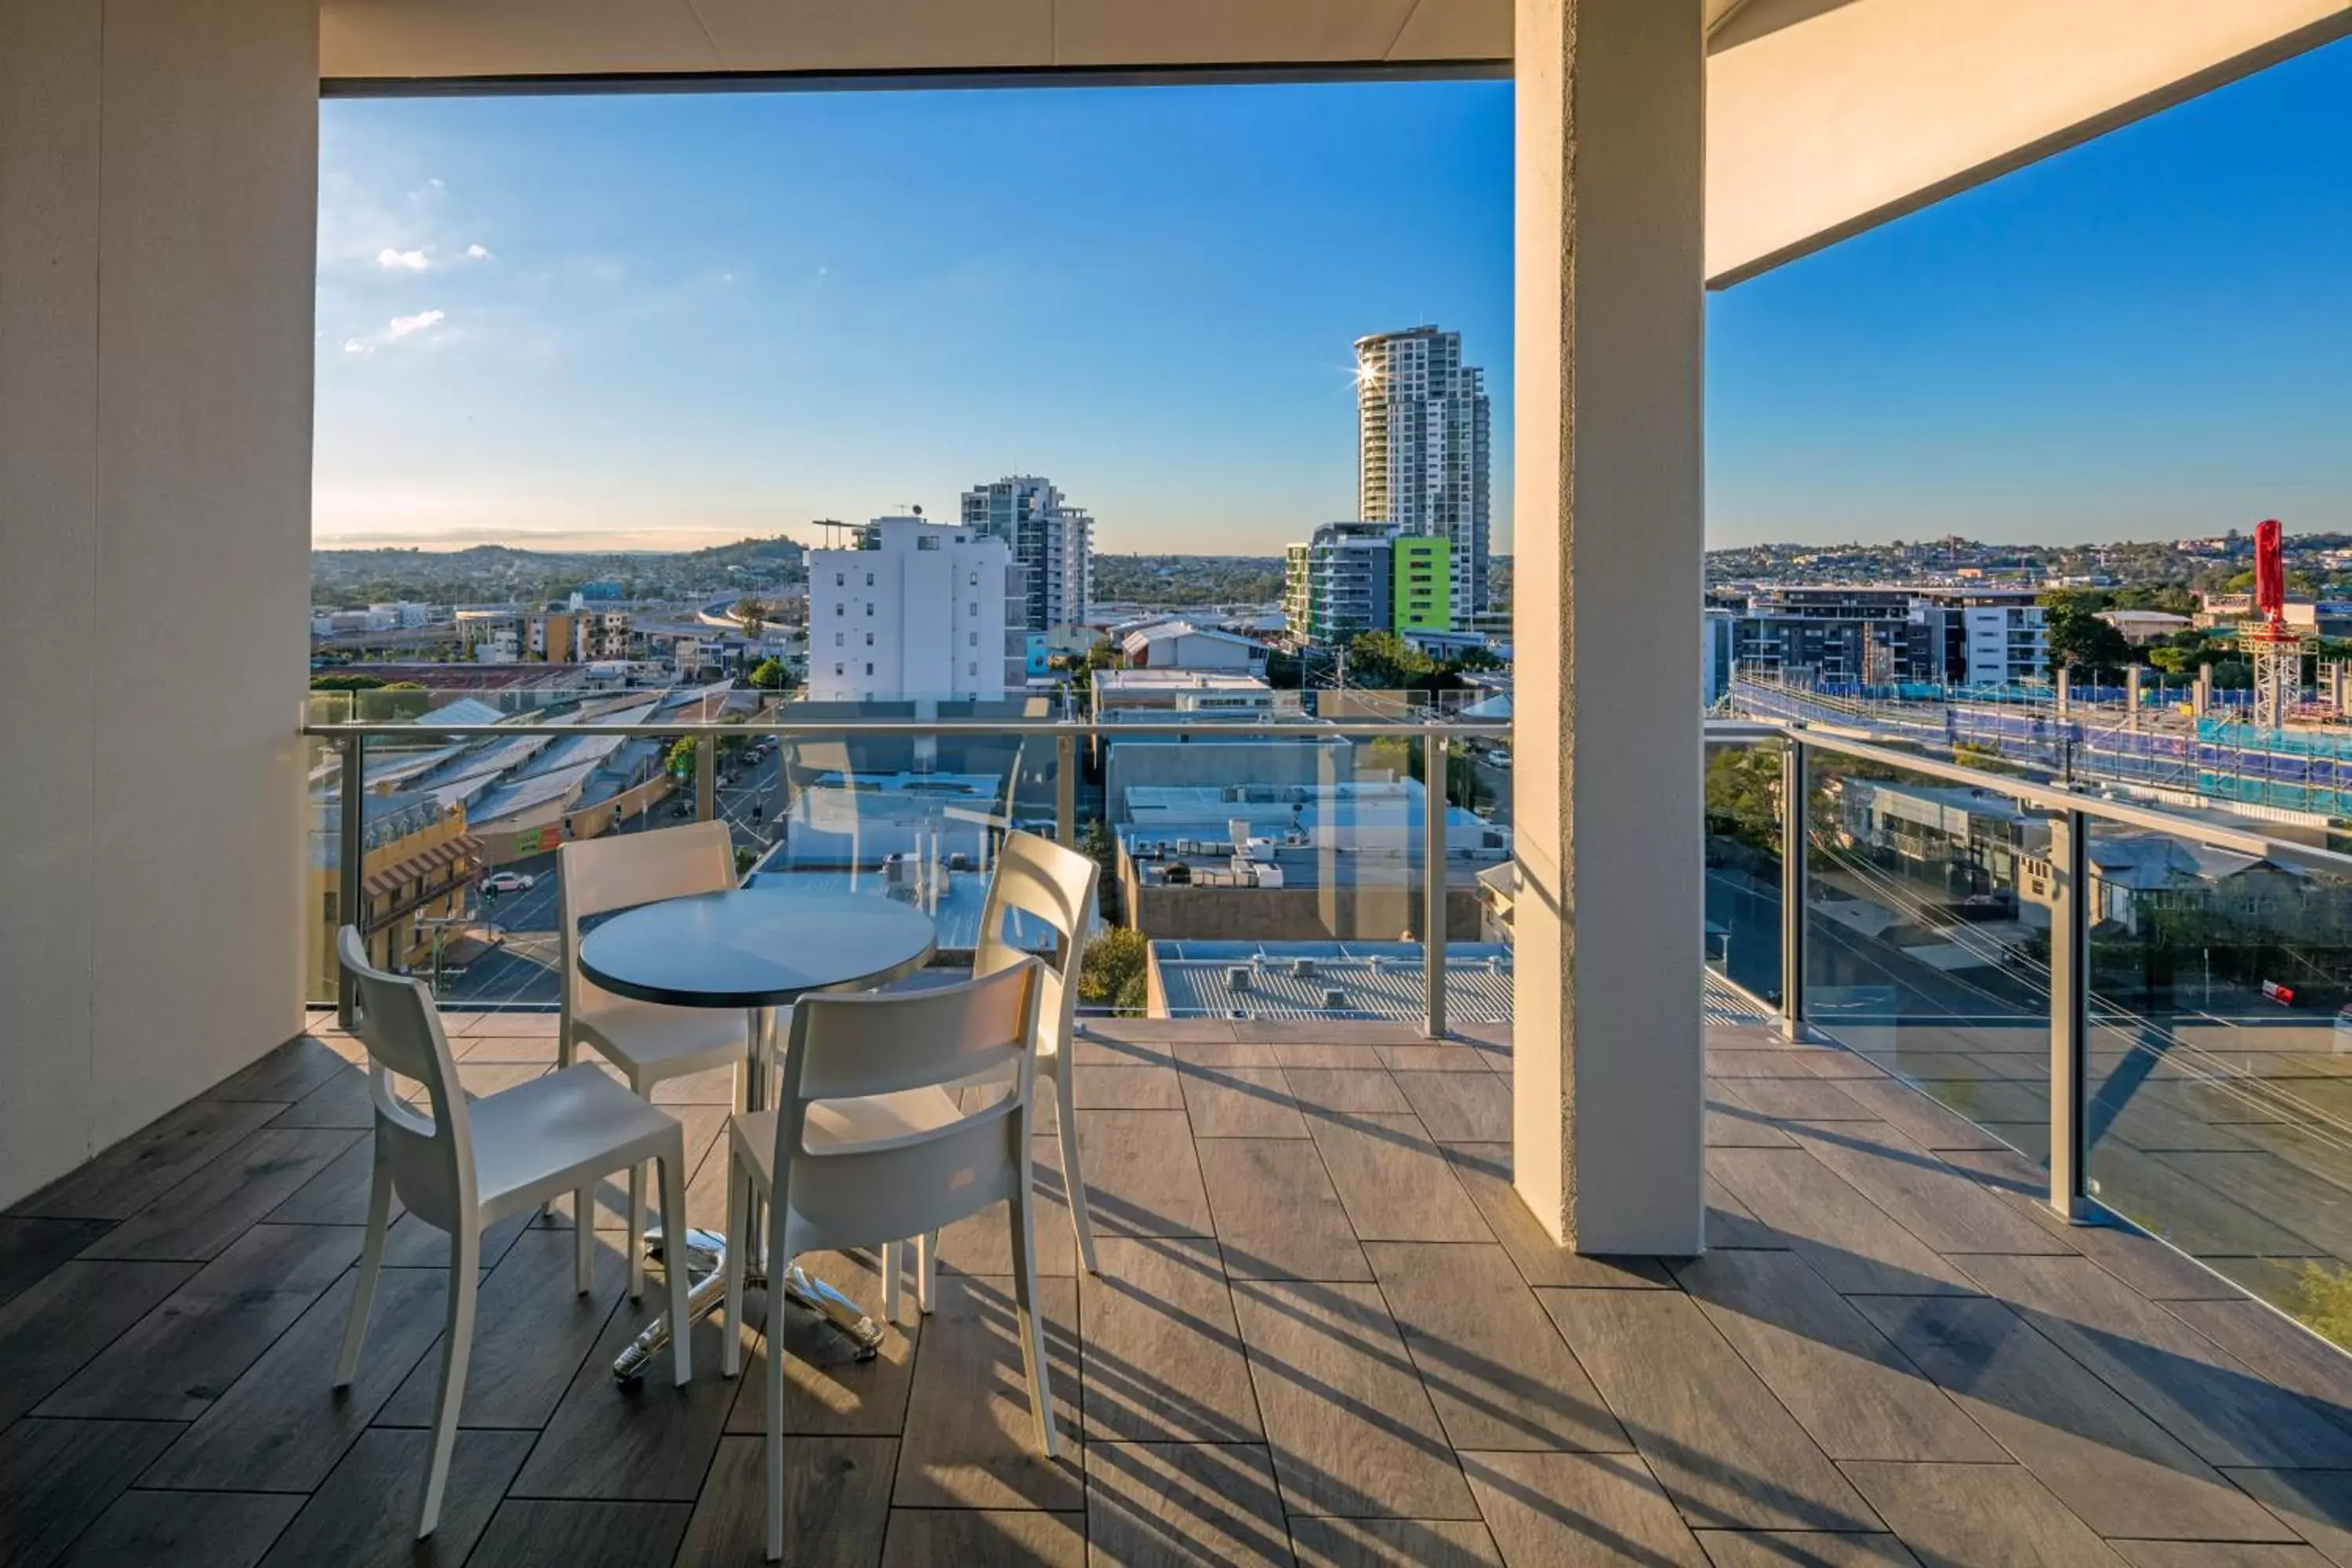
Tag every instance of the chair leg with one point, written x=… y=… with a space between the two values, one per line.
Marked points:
x=1074 y=1180
x=637 y=1232
x=894 y=1269
x=583 y=1240
x=739 y=1248
x=926 y=1270
x=456 y=1351
x=779 y=1263
x=774 y=1439
x=673 y=1219
x=371 y=1269
x=1032 y=1326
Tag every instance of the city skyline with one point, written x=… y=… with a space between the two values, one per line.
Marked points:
x=645 y=323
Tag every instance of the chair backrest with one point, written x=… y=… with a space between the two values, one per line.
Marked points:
x=1038 y=877
x=432 y=1157
x=846 y=1046
x=621 y=871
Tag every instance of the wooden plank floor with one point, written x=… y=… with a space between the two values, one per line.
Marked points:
x=1325 y=1332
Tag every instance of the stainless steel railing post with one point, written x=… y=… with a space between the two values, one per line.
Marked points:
x=1432 y=883
x=705 y=778
x=1065 y=790
x=1794 y=795
x=351 y=854
x=2069 y=1010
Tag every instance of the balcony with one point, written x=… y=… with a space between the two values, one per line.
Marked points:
x=1327 y=1330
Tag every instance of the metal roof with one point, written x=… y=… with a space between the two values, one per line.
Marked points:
x=1294 y=979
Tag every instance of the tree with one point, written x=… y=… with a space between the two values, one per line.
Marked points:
x=772 y=676
x=2079 y=640
x=1743 y=795
x=346 y=683
x=1476 y=659
x=1112 y=974
x=752 y=615
x=1385 y=662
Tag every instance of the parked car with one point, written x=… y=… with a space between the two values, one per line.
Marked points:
x=508 y=882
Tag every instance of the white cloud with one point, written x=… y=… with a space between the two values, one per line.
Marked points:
x=399 y=327
x=478 y=253
x=402 y=260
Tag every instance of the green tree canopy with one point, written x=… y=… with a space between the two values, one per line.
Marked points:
x=2079 y=640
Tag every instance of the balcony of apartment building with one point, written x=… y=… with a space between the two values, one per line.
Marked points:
x=1758 y=1185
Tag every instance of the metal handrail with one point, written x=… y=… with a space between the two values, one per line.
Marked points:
x=1302 y=730
x=2056 y=799
x=2073 y=810
x=1430 y=737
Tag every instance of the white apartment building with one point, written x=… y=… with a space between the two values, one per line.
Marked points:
x=1052 y=541
x=922 y=609
x=1422 y=457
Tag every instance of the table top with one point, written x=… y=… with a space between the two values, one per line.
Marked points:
x=755 y=947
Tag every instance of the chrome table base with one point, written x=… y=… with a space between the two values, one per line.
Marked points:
x=706 y=1259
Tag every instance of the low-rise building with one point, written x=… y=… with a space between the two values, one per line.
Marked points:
x=1135 y=695
x=420 y=859
x=1294 y=861
x=1181 y=645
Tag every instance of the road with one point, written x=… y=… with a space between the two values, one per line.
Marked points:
x=520 y=970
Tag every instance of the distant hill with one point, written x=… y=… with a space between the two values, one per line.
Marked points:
x=488 y=574
x=1179 y=580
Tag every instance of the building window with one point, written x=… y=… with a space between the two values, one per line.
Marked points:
x=869 y=579
x=869 y=639
x=330 y=905
x=975 y=579
x=840 y=638
x=837 y=669
x=972 y=670
x=870 y=669
x=840 y=609
x=841 y=579
x=974 y=637
x=869 y=609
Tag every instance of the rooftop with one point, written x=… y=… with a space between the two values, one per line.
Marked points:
x=1325 y=1332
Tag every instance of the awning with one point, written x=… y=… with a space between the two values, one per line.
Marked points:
x=384 y=883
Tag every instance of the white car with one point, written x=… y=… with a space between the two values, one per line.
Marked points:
x=508 y=882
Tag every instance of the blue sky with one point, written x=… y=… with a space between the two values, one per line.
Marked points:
x=667 y=320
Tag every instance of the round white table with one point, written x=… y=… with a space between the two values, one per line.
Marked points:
x=757 y=948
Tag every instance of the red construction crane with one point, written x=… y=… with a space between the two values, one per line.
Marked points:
x=2270 y=571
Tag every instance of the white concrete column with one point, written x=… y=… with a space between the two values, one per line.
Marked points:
x=1608 y=520
x=158 y=229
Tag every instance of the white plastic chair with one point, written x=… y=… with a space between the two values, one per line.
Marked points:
x=869 y=1142
x=648 y=1042
x=1055 y=887
x=472 y=1163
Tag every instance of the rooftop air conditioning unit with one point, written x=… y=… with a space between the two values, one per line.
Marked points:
x=1334 y=999
x=1238 y=977
x=1302 y=968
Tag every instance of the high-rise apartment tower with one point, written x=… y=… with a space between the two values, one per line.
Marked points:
x=1052 y=541
x=1422 y=449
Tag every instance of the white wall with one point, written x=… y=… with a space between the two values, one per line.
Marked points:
x=158 y=215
